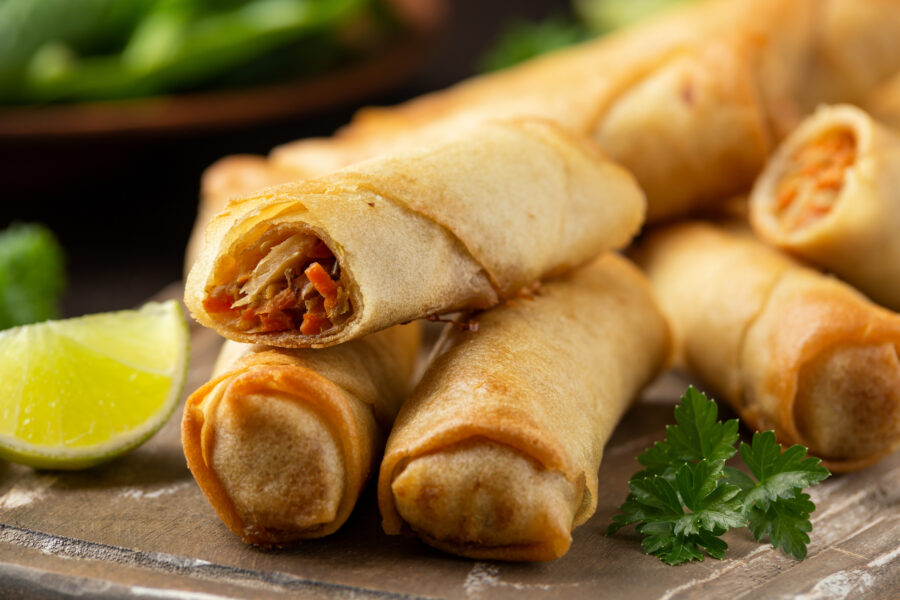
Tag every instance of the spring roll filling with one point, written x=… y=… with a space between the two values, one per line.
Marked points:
x=293 y=285
x=813 y=179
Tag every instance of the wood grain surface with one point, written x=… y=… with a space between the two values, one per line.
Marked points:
x=139 y=527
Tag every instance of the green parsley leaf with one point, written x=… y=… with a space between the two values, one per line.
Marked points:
x=685 y=498
x=673 y=533
x=778 y=473
x=661 y=541
x=713 y=502
x=698 y=435
x=785 y=521
x=774 y=504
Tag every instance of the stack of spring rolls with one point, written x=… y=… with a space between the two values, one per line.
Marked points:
x=318 y=274
x=497 y=200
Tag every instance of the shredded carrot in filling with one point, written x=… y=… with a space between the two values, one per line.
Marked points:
x=311 y=300
x=814 y=178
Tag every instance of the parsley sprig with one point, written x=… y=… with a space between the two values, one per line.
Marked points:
x=685 y=498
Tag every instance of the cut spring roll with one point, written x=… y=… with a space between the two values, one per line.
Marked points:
x=496 y=453
x=459 y=226
x=832 y=195
x=281 y=442
x=789 y=348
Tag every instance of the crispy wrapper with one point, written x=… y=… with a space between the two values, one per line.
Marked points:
x=227 y=178
x=789 y=348
x=281 y=442
x=496 y=453
x=884 y=103
x=690 y=102
x=855 y=49
x=831 y=194
x=460 y=226
x=668 y=100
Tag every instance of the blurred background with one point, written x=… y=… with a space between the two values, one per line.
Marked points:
x=108 y=118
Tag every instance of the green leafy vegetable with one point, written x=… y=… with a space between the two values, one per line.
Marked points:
x=608 y=15
x=685 y=498
x=59 y=50
x=521 y=40
x=32 y=275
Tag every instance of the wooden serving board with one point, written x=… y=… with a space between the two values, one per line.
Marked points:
x=139 y=526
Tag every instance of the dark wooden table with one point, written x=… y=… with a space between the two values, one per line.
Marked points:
x=139 y=527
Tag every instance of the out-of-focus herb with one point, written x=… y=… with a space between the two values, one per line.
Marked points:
x=102 y=51
x=32 y=275
x=685 y=498
x=521 y=40
x=603 y=16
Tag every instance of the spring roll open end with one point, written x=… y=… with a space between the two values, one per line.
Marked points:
x=278 y=451
x=288 y=281
x=812 y=183
x=467 y=500
x=821 y=368
x=848 y=401
x=799 y=195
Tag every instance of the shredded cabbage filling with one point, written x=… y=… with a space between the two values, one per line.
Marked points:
x=294 y=286
x=813 y=179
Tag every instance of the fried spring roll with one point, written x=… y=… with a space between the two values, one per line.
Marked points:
x=691 y=102
x=854 y=50
x=884 y=103
x=460 y=226
x=657 y=99
x=832 y=195
x=281 y=442
x=496 y=453
x=789 y=348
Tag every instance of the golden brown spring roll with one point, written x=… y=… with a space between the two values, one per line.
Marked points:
x=831 y=194
x=690 y=102
x=496 y=453
x=459 y=226
x=884 y=103
x=789 y=348
x=281 y=442
x=855 y=49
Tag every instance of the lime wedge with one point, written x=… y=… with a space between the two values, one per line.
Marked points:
x=77 y=392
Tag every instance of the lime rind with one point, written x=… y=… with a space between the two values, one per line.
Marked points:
x=78 y=449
